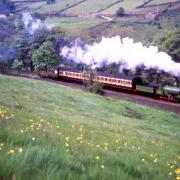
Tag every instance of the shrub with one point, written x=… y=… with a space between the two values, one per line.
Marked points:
x=120 y=11
x=17 y=65
x=95 y=87
x=3 y=65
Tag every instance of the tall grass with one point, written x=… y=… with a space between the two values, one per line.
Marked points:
x=48 y=131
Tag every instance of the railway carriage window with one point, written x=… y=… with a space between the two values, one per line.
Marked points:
x=119 y=81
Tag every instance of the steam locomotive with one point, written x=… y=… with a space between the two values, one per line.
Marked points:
x=132 y=84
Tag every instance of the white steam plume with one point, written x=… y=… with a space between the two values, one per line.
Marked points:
x=121 y=51
x=32 y=24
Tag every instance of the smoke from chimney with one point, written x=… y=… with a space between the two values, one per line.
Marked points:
x=125 y=52
x=32 y=24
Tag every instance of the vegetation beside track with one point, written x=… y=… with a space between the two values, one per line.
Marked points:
x=49 y=131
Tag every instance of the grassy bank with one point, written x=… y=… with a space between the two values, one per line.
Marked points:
x=48 y=131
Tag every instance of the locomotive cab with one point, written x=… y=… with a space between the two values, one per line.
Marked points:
x=136 y=81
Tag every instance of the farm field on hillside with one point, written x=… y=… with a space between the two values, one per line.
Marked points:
x=84 y=7
x=49 y=131
x=91 y=6
x=160 y=1
x=42 y=7
x=74 y=25
x=128 y=5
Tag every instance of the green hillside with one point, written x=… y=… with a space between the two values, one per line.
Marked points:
x=91 y=27
x=87 y=6
x=49 y=131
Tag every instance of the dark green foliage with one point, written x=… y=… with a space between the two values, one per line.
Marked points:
x=3 y=65
x=17 y=65
x=90 y=83
x=45 y=55
x=7 y=6
x=95 y=87
x=169 y=41
x=22 y=44
x=50 y=1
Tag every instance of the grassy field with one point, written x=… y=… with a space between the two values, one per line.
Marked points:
x=48 y=131
x=160 y=1
x=74 y=25
x=88 y=6
x=90 y=28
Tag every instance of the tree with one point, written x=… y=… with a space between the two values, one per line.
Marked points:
x=50 y=1
x=169 y=42
x=7 y=6
x=17 y=65
x=120 y=11
x=44 y=55
x=90 y=84
x=3 y=65
x=22 y=44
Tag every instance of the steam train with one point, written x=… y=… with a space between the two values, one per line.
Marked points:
x=131 y=84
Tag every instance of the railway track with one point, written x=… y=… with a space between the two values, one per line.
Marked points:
x=147 y=101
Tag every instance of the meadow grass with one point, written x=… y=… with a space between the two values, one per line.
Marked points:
x=74 y=25
x=160 y=1
x=49 y=131
x=88 y=6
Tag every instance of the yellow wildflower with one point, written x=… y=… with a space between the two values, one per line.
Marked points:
x=155 y=160
x=20 y=150
x=102 y=166
x=22 y=130
x=66 y=144
x=11 y=151
x=106 y=148
x=177 y=171
x=97 y=157
x=97 y=145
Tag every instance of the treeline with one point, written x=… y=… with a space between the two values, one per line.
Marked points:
x=23 y=51
x=7 y=7
x=27 y=52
